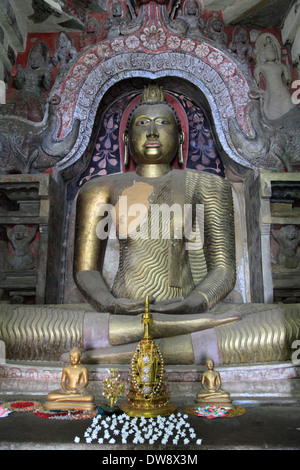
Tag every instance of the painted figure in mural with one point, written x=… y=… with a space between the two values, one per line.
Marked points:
x=155 y=263
x=64 y=52
x=73 y=393
x=276 y=76
x=31 y=81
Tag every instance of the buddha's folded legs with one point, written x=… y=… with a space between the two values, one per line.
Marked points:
x=123 y=334
x=112 y=339
x=241 y=341
x=60 y=395
x=220 y=395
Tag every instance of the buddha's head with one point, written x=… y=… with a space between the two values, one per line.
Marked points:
x=210 y=364
x=75 y=356
x=153 y=134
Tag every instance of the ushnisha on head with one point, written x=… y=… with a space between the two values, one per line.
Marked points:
x=153 y=135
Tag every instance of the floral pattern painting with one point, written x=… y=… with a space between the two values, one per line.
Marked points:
x=105 y=157
x=202 y=151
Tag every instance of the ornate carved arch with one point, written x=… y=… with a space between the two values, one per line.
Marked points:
x=152 y=52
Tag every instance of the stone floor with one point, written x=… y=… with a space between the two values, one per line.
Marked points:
x=262 y=427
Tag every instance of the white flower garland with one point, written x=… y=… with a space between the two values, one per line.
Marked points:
x=173 y=429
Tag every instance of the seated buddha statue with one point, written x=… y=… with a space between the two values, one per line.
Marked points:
x=73 y=394
x=186 y=277
x=159 y=262
x=212 y=394
x=183 y=274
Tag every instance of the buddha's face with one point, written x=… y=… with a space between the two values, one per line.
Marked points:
x=153 y=136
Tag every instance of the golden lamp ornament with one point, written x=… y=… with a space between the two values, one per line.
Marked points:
x=147 y=394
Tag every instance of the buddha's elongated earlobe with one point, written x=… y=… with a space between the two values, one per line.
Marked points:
x=126 y=151
x=180 y=149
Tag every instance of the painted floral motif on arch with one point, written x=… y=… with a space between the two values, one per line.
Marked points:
x=202 y=151
x=105 y=158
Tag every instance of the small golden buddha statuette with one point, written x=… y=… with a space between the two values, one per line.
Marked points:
x=73 y=394
x=147 y=394
x=211 y=393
